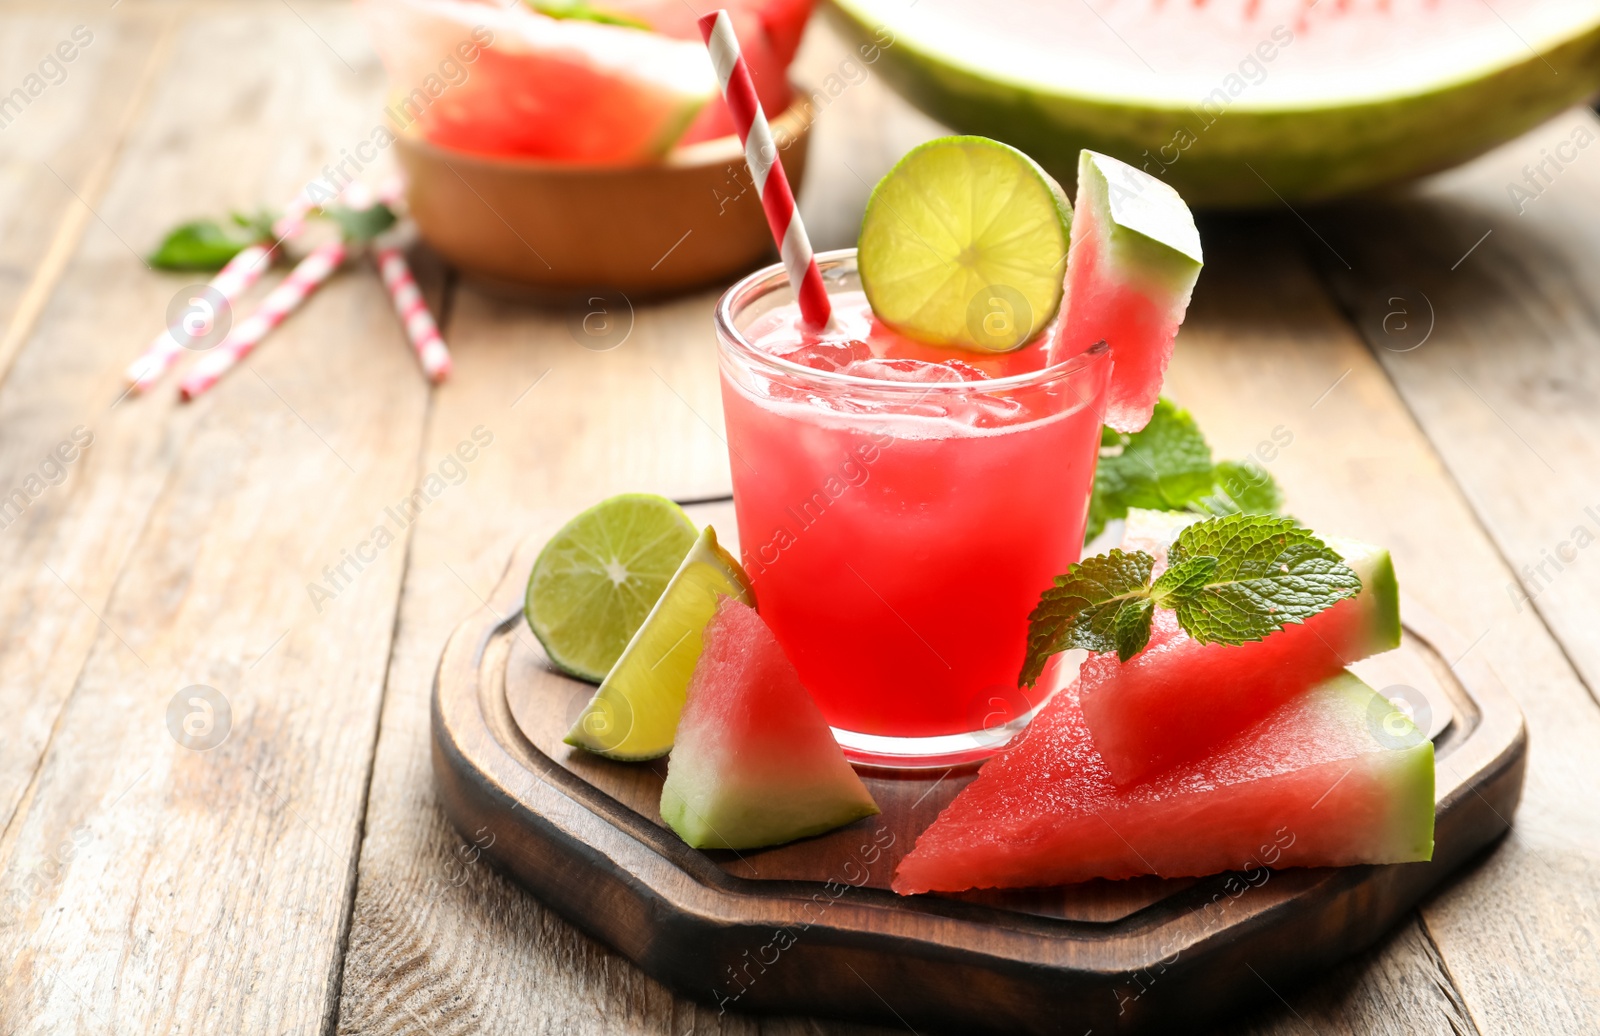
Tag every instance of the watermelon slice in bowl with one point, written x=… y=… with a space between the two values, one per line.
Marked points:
x=567 y=89
x=615 y=82
x=1131 y=267
x=1179 y=699
x=1242 y=102
x=1336 y=777
x=769 y=35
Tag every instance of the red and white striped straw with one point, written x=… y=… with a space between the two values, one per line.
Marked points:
x=413 y=312
x=766 y=171
x=232 y=281
x=279 y=303
x=412 y=308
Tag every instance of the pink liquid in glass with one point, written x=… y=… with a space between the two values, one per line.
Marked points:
x=898 y=534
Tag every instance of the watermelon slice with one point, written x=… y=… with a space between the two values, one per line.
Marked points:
x=769 y=34
x=1131 y=266
x=755 y=763
x=1338 y=776
x=1178 y=698
x=566 y=89
x=1241 y=102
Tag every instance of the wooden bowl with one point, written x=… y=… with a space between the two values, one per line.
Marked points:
x=687 y=221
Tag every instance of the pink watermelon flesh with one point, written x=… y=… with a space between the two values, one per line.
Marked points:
x=769 y=34
x=1178 y=698
x=560 y=89
x=1131 y=266
x=1335 y=777
x=754 y=763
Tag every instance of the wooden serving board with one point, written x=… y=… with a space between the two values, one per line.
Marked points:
x=811 y=928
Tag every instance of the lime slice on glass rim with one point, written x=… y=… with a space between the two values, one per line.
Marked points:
x=597 y=579
x=964 y=243
x=634 y=714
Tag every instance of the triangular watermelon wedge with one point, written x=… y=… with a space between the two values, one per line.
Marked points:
x=1338 y=776
x=1178 y=699
x=755 y=763
x=1132 y=264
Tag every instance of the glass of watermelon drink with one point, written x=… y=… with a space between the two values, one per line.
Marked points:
x=901 y=507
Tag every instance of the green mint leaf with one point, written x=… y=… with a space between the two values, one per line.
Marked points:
x=1269 y=572
x=1162 y=467
x=361 y=225
x=1081 y=610
x=1132 y=625
x=1240 y=487
x=582 y=10
x=202 y=244
x=1184 y=579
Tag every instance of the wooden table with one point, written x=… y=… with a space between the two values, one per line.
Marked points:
x=300 y=877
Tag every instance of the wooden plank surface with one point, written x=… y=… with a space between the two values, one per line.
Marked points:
x=1508 y=282
x=1359 y=463
x=151 y=888
x=84 y=80
x=437 y=939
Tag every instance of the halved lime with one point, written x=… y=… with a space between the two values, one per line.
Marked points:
x=634 y=714
x=965 y=243
x=597 y=579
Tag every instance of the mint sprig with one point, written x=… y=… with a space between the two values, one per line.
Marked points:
x=208 y=244
x=1167 y=466
x=1230 y=579
x=358 y=226
x=1264 y=573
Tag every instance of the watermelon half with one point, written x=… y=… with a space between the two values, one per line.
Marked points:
x=1131 y=267
x=1178 y=698
x=1335 y=777
x=755 y=763
x=1241 y=102
x=554 y=88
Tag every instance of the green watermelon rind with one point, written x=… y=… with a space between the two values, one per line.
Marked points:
x=673 y=129
x=724 y=791
x=1153 y=255
x=755 y=820
x=1409 y=772
x=1414 y=831
x=1251 y=157
x=1380 y=592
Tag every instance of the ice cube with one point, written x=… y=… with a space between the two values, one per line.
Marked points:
x=967 y=371
x=916 y=371
x=827 y=355
x=981 y=410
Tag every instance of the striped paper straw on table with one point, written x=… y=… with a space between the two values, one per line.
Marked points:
x=232 y=281
x=421 y=330
x=761 y=153
x=279 y=303
x=413 y=311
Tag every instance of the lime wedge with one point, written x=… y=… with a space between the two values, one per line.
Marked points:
x=634 y=714
x=965 y=243
x=597 y=579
